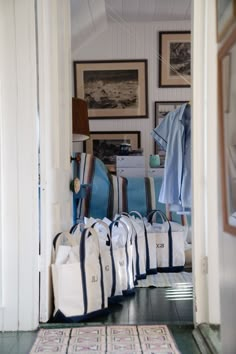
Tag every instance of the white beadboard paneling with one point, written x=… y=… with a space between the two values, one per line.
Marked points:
x=19 y=198
x=134 y=41
x=151 y=10
x=65 y=109
x=88 y=19
x=9 y=166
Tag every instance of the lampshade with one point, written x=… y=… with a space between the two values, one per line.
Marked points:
x=80 y=123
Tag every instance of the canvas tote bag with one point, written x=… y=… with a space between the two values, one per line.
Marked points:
x=129 y=252
x=78 y=284
x=170 y=239
x=119 y=238
x=145 y=256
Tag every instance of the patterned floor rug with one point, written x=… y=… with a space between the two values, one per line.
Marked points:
x=151 y=339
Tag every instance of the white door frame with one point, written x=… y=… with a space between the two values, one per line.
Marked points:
x=205 y=165
x=55 y=102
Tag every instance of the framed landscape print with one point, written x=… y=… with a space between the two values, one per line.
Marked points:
x=174 y=59
x=106 y=145
x=226 y=15
x=113 y=88
x=227 y=130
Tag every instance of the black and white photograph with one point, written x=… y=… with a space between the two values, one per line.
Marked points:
x=180 y=58
x=106 y=145
x=174 y=59
x=113 y=89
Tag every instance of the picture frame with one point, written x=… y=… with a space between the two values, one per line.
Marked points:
x=161 y=109
x=113 y=88
x=175 y=59
x=106 y=145
x=227 y=131
x=226 y=15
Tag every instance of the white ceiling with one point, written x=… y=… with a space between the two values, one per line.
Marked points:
x=90 y=17
x=148 y=10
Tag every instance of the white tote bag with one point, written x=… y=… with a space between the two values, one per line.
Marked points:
x=119 y=238
x=78 y=283
x=129 y=252
x=170 y=238
x=145 y=256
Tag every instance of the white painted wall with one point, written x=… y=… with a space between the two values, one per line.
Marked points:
x=133 y=41
x=19 y=177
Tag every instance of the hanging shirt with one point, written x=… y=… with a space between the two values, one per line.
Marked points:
x=174 y=135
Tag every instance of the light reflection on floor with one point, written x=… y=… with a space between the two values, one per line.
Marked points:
x=180 y=291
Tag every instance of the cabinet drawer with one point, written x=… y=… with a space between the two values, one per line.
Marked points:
x=130 y=161
x=130 y=172
x=155 y=172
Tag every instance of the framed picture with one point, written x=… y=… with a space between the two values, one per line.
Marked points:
x=113 y=89
x=226 y=15
x=106 y=145
x=174 y=59
x=227 y=130
x=161 y=110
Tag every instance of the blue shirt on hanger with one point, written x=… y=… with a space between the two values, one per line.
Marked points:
x=174 y=135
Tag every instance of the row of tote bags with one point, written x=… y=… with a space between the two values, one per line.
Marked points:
x=105 y=260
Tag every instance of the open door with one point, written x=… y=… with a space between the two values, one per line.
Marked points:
x=55 y=131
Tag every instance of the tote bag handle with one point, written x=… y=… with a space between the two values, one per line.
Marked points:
x=160 y=213
x=136 y=214
x=130 y=227
x=106 y=227
x=116 y=223
x=57 y=241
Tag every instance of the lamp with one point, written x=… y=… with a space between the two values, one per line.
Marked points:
x=80 y=123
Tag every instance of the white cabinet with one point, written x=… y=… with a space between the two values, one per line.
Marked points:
x=134 y=166
x=130 y=166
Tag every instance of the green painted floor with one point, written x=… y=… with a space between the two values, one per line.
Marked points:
x=148 y=306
